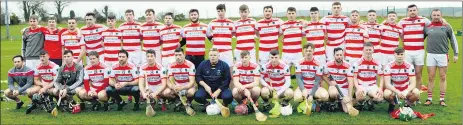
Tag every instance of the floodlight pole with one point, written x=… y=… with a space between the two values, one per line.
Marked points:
x=7 y=20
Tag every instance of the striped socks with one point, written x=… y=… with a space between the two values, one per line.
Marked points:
x=429 y=95
x=442 y=94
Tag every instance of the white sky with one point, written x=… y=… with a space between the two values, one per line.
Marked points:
x=207 y=9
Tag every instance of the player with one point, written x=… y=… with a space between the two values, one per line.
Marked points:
x=151 y=35
x=23 y=76
x=390 y=34
x=355 y=36
x=32 y=41
x=91 y=36
x=194 y=36
x=315 y=33
x=71 y=39
x=400 y=80
x=112 y=40
x=245 y=33
x=291 y=30
x=374 y=34
x=275 y=78
x=70 y=78
x=222 y=29
x=335 y=26
x=131 y=38
x=246 y=77
x=268 y=29
x=52 y=41
x=170 y=39
x=45 y=73
x=152 y=79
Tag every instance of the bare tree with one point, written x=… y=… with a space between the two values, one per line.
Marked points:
x=60 y=5
x=30 y=7
x=105 y=11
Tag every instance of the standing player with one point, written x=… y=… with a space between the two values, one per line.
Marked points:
x=268 y=29
x=367 y=72
x=291 y=31
x=170 y=39
x=399 y=77
x=308 y=74
x=91 y=34
x=181 y=77
x=32 y=41
x=390 y=34
x=152 y=79
x=45 y=73
x=151 y=35
x=52 y=42
x=23 y=76
x=131 y=38
x=194 y=36
x=355 y=36
x=112 y=41
x=275 y=77
x=96 y=79
x=71 y=39
x=335 y=26
x=315 y=33
x=245 y=34
x=437 y=46
x=374 y=34
x=339 y=72
x=222 y=30
x=246 y=77
x=413 y=40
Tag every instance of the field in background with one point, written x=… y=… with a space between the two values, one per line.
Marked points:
x=448 y=115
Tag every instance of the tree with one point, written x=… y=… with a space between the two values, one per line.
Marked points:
x=43 y=14
x=60 y=5
x=30 y=7
x=14 y=20
x=142 y=18
x=179 y=17
x=98 y=17
x=72 y=14
x=105 y=11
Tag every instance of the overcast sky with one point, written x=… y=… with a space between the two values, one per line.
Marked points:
x=207 y=9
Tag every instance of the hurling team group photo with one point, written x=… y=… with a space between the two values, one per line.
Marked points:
x=343 y=62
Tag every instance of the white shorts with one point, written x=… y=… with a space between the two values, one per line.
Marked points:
x=291 y=58
x=100 y=57
x=167 y=60
x=321 y=59
x=264 y=57
x=387 y=58
x=330 y=51
x=439 y=60
x=415 y=57
x=252 y=53
x=154 y=88
x=368 y=88
x=227 y=57
x=378 y=57
x=135 y=57
x=158 y=56
x=32 y=63
x=351 y=60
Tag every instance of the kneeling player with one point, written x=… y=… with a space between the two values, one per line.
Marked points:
x=275 y=78
x=402 y=76
x=152 y=79
x=308 y=76
x=366 y=73
x=246 y=79
x=182 y=78
x=44 y=75
x=22 y=75
x=96 y=79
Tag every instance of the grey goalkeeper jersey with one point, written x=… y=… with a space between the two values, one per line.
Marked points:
x=33 y=41
x=438 y=36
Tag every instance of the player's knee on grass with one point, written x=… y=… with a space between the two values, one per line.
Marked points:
x=288 y=94
x=298 y=95
x=102 y=96
x=333 y=92
x=265 y=93
x=321 y=94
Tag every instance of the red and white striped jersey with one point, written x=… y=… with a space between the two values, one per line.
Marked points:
x=246 y=74
x=112 y=44
x=367 y=71
x=276 y=73
x=413 y=32
x=72 y=40
x=92 y=38
x=170 y=37
x=268 y=33
x=151 y=35
x=309 y=70
x=127 y=73
x=335 y=26
x=46 y=73
x=400 y=74
x=245 y=34
x=292 y=36
x=390 y=35
x=131 y=36
x=221 y=31
x=154 y=74
x=315 y=34
x=195 y=35
x=96 y=77
x=181 y=72
x=340 y=73
x=354 y=38
x=374 y=34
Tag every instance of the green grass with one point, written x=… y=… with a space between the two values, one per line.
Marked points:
x=448 y=115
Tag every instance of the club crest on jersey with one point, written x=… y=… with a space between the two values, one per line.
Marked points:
x=342 y=19
x=219 y=72
x=249 y=21
x=273 y=22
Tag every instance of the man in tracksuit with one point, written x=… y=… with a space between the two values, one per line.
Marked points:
x=22 y=75
x=70 y=77
x=213 y=76
x=438 y=34
x=33 y=39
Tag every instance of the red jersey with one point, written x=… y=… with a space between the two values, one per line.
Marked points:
x=276 y=74
x=72 y=40
x=46 y=73
x=92 y=38
x=181 y=72
x=246 y=74
x=131 y=36
x=400 y=74
x=151 y=35
x=374 y=34
x=340 y=73
x=390 y=38
x=195 y=35
x=413 y=32
x=127 y=73
x=170 y=37
x=154 y=74
x=292 y=36
x=112 y=44
x=268 y=33
x=315 y=34
x=96 y=77
x=309 y=70
x=354 y=38
x=245 y=34
x=335 y=26
x=53 y=43
x=367 y=71
x=222 y=31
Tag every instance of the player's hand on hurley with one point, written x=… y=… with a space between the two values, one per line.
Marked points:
x=379 y=93
x=178 y=88
x=145 y=95
x=401 y=95
x=62 y=93
x=241 y=89
x=42 y=90
x=360 y=91
x=208 y=90
x=215 y=94
x=15 y=93
x=92 y=93
x=455 y=59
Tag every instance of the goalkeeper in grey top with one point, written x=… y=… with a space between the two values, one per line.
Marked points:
x=70 y=77
x=439 y=35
